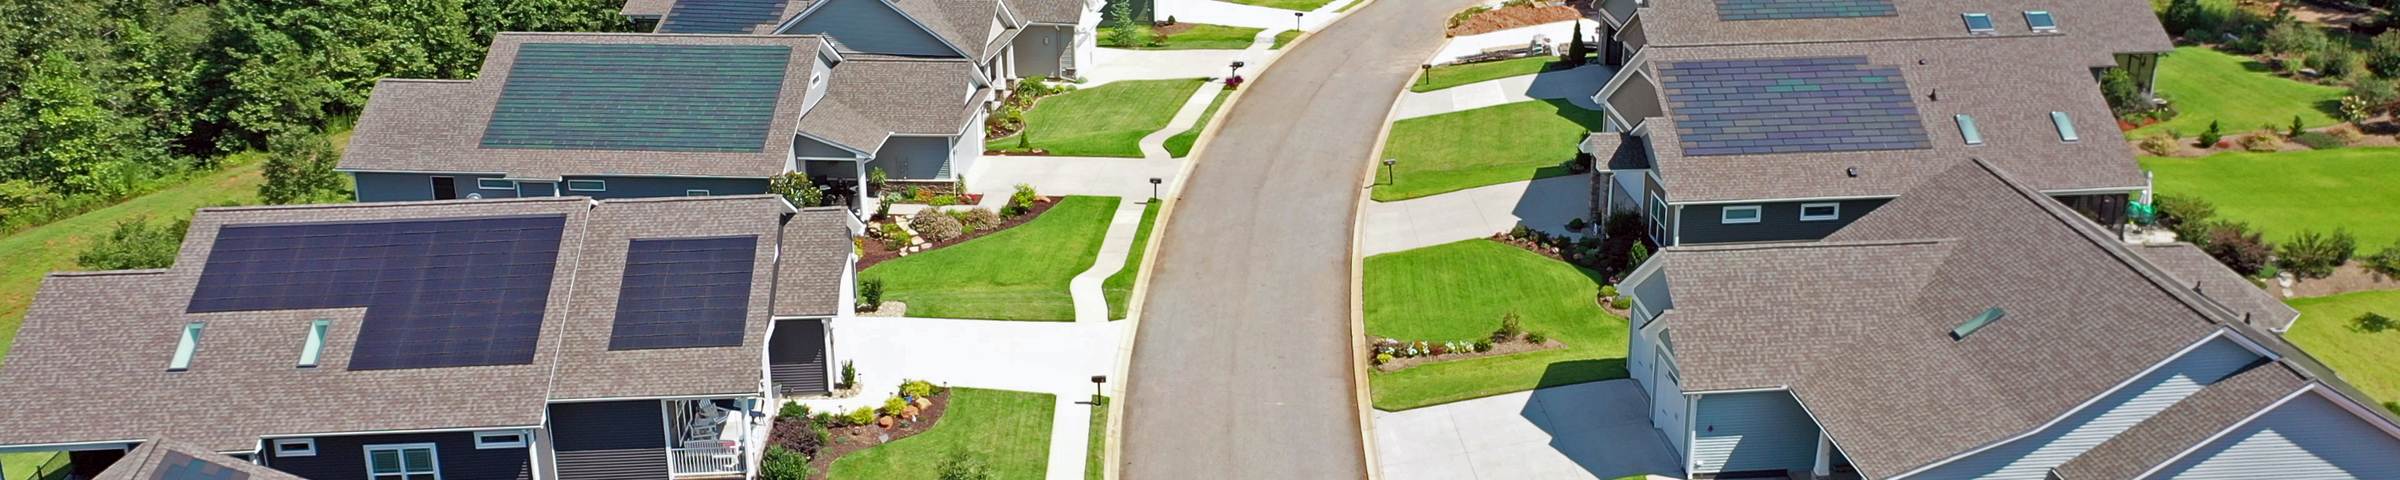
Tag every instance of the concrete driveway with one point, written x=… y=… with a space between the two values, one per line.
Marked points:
x=1544 y=204
x=1598 y=430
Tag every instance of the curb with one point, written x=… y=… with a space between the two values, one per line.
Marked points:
x=1365 y=394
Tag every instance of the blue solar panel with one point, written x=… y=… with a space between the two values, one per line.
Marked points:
x=721 y=16
x=684 y=292
x=1791 y=105
x=438 y=293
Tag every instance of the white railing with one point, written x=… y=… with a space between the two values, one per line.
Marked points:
x=706 y=461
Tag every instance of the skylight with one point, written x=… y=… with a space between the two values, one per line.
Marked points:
x=184 y=347
x=316 y=342
x=2066 y=127
x=1966 y=128
x=1979 y=23
x=2040 y=21
x=1977 y=323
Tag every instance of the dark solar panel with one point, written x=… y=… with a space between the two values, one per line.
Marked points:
x=438 y=293
x=683 y=98
x=721 y=16
x=1791 y=105
x=177 y=466
x=684 y=292
x=1731 y=10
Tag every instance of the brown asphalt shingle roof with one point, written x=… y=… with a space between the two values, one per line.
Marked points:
x=871 y=97
x=2185 y=424
x=2193 y=268
x=1060 y=12
x=154 y=458
x=969 y=24
x=2100 y=27
x=813 y=286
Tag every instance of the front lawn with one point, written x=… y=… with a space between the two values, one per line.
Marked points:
x=1485 y=146
x=1180 y=145
x=1459 y=291
x=24 y=466
x=2328 y=330
x=1301 y=5
x=1119 y=287
x=1286 y=38
x=1204 y=36
x=1105 y=121
x=1017 y=274
x=1008 y=431
x=1447 y=76
x=1095 y=464
x=2282 y=193
x=2207 y=85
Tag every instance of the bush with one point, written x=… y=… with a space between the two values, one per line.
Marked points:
x=961 y=466
x=1608 y=290
x=2386 y=262
x=1623 y=303
x=2263 y=140
x=2335 y=61
x=1510 y=326
x=895 y=238
x=2233 y=244
x=893 y=406
x=2187 y=216
x=861 y=416
x=1640 y=254
x=1383 y=358
x=2291 y=37
x=1021 y=202
x=1535 y=338
x=935 y=226
x=849 y=375
x=299 y=169
x=2349 y=136
x=2384 y=57
x=917 y=388
x=980 y=219
x=136 y=243
x=2320 y=140
x=1483 y=345
x=2159 y=144
x=870 y=297
x=2209 y=138
x=791 y=410
x=782 y=464
x=2371 y=322
x=796 y=188
x=2312 y=255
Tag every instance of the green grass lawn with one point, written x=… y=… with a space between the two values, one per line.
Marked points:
x=1095 y=465
x=1459 y=291
x=2328 y=331
x=1285 y=38
x=1008 y=431
x=2282 y=193
x=1180 y=145
x=1347 y=6
x=1485 y=146
x=1017 y=274
x=2207 y=85
x=1301 y=5
x=1119 y=287
x=23 y=466
x=1204 y=36
x=1447 y=76
x=1105 y=121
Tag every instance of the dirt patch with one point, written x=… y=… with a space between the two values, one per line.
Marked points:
x=1164 y=28
x=2319 y=14
x=847 y=440
x=2349 y=278
x=1504 y=18
x=890 y=309
x=877 y=253
x=1498 y=349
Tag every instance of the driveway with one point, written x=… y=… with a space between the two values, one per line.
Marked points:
x=1598 y=430
x=1479 y=212
x=1242 y=366
x=1575 y=85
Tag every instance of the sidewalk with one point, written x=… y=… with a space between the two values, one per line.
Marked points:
x=1544 y=204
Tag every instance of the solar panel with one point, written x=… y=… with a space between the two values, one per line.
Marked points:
x=438 y=293
x=683 y=98
x=721 y=16
x=177 y=466
x=1791 y=105
x=684 y=292
x=1733 y=10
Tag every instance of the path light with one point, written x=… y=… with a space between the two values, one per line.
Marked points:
x=1154 y=181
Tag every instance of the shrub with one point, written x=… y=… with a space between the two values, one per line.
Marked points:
x=791 y=410
x=893 y=406
x=2312 y=255
x=2159 y=144
x=2263 y=140
x=2295 y=37
x=870 y=295
x=2210 y=137
x=1535 y=338
x=796 y=188
x=1608 y=290
x=2393 y=406
x=917 y=388
x=2124 y=96
x=849 y=375
x=861 y=416
x=826 y=419
x=2187 y=216
x=1440 y=349
x=876 y=179
x=980 y=219
x=2233 y=244
x=2335 y=61
x=2386 y=262
x=2375 y=95
x=1623 y=303
x=2320 y=140
x=800 y=436
x=1383 y=358
x=299 y=169
x=1639 y=255
x=896 y=238
x=2349 y=136
x=962 y=466
x=1021 y=202
x=1483 y=345
x=782 y=464
x=936 y=227
x=136 y=243
x=2297 y=128
x=2384 y=57
x=1510 y=326
x=2371 y=322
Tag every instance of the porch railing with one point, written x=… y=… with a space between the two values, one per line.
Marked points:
x=707 y=461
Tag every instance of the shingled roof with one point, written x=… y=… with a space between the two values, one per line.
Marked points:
x=2101 y=27
x=969 y=24
x=872 y=97
x=2202 y=273
x=162 y=459
x=1053 y=12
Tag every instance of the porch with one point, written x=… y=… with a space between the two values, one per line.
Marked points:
x=714 y=438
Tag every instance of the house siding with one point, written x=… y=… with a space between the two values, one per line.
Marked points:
x=914 y=158
x=412 y=187
x=647 y=187
x=610 y=440
x=2031 y=458
x=2308 y=438
x=805 y=147
x=345 y=457
x=822 y=71
x=871 y=26
x=536 y=189
x=1039 y=48
x=1747 y=432
x=1778 y=222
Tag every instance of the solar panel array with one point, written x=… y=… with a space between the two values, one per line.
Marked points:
x=1733 y=10
x=684 y=292
x=679 y=98
x=721 y=16
x=1792 y=105
x=438 y=293
x=174 y=465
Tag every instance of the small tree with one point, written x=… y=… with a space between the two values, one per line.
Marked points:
x=1575 y=49
x=135 y=244
x=1126 y=33
x=849 y=375
x=2297 y=128
x=2124 y=96
x=2208 y=139
x=870 y=298
x=795 y=187
x=2187 y=216
x=2233 y=244
x=876 y=179
x=299 y=169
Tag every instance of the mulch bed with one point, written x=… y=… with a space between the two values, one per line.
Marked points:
x=1165 y=28
x=875 y=253
x=852 y=439
x=1498 y=349
x=2349 y=278
x=1513 y=17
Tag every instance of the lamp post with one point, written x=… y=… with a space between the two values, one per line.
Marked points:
x=1390 y=171
x=1154 y=181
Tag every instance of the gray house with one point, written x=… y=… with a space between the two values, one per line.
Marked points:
x=649 y=115
x=553 y=338
x=1005 y=39
x=1753 y=120
x=1976 y=328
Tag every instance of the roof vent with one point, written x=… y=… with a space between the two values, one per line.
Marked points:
x=1977 y=323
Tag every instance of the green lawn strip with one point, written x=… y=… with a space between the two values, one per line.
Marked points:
x=1119 y=287
x=1095 y=464
x=1454 y=75
x=1301 y=5
x=1459 y=291
x=2237 y=92
x=1105 y=121
x=23 y=466
x=1008 y=431
x=1180 y=145
x=1017 y=274
x=2283 y=193
x=2328 y=330
x=1347 y=6
x=1204 y=36
x=1286 y=37
x=1485 y=146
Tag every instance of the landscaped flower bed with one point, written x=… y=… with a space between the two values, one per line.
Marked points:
x=1392 y=355
x=894 y=237
x=822 y=437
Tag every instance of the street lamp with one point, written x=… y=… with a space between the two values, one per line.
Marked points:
x=1393 y=173
x=1154 y=181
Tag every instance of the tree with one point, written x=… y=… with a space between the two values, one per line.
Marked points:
x=1575 y=49
x=2384 y=58
x=2124 y=96
x=2185 y=15
x=2208 y=139
x=1125 y=32
x=299 y=169
x=795 y=187
x=135 y=244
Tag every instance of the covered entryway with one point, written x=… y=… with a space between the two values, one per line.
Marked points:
x=796 y=357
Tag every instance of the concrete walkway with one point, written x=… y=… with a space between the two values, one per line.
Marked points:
x=1598 y=430
x=1574 y=85
x=1544 y=204
x=1239 y=15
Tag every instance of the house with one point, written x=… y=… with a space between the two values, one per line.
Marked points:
x=553 y=338
x=160 y=459
x=1763 y=120
x=649 y=115
x=1006 y=40
x=1977 y=328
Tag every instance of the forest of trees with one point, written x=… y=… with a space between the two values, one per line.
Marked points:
x=105 y=99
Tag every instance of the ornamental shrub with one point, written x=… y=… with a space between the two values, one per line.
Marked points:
x=1383 y=358
x=917 y=388
x=782 y=464
x=1623 y=303
x=981 y=219
x=2159 y=144
x=850 y=372
x=1021 y=202
x=2208 y=139
x=791 y=410
x=893 y=406
x=935 y=226
x=861 y=416
x=795 y=187
x=2185 y=215
x=1483 y=345
x=1608 y=290
x=2320 y=140
x=2263 y=140
x=2233 y=244
x=2312 y=255
x=1510 y=326
x=870 y=297
x=2386 y=262
x=1535 y=338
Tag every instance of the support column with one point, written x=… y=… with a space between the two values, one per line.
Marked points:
x=1824 y=466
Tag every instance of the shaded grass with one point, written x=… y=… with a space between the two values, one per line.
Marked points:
x=1119 y=287
x=1204 y=36
x=1180 y=145
x=1095 y=464
x=2207 y=85
x=1017 y=274
x=1105 y=121
x=1286 y=37
x=1485 y=146
x=25 y=466
x=2328 y=330
x=1301 y=5
x=1008 y=431
x=2283 y=193
x=1454 y=75
x=1459 y=291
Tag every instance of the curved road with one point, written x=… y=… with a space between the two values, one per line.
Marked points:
x=1242 y=366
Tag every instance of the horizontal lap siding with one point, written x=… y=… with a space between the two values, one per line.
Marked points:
x=413 y=187
x=345 y=457
x=610 y=440
x=1742 y=432
x=2309 y=438
x=648 y=187
x=2031 y=458
x=1777 y=222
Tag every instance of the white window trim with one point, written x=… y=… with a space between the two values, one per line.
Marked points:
x=2053 y=28
x=1969 y=18
x=436 y=456
x=522 y=440
x=695 y=193
x=310 y=443
x=1805 y=217
x=1725 y=216
x=603 y=186
x=512 y=184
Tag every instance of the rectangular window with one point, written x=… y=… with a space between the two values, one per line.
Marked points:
x=2066 y=127
x=185 y=346
x=316 y=342
x=2041 y=21
x=1741 y=214
x=495 y=184
x=1978 y=23
x=695 y=193
x=500 y=439
x=1966 y=128
x=587 y=186
x=295 y=447
x=445 y=188
x=411 y=461
x=1817 y=212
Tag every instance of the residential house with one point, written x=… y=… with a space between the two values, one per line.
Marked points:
x=1006 y=40
x=1977 y=328
x=162 y=459
x=648 y=115
x=554 y=338
x=1763 y=120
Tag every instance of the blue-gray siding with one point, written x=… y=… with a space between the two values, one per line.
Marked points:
x=345 y=457
x=1757 y=431
x=871 y=26
x=2031 y=458
x=1039 y=48
x=411 y=187
x=2309 y=438
x=805 y=147
x=610 y=440
x=914 y=158
x=645 y=187
x=1777 y=222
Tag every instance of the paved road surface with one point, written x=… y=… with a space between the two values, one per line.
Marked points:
x=1242 y=366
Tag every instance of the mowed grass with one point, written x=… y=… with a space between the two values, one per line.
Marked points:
x=1119 y=287
x=2237 y=92
x=1301 y=5
x=1018 y=274
x=1008 y=431
x=1095 y=463
x=1459 y=291
x=1447 y=76
x=1485 y=146
x=23 y=466
x=2328 y=329
x=1180 y=145
x=2283 y=193
x=1105 y=121
x=1285 y=38
x=1204 y=36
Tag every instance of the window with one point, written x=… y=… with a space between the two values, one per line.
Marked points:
x=695 y=193
x=500 y=439
x=1816 y=212
x=1741 y=214
x=2066 y=127
x=184 y=347
x=316 y=342
x=495 y=184
x=2041 y=21
x=587 y=185
x=1978 y=23
x=445 y=188
x=1658 y=219
x=295 y=447
x=411 y=461
x=1966 y=128
x=1977 y=323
